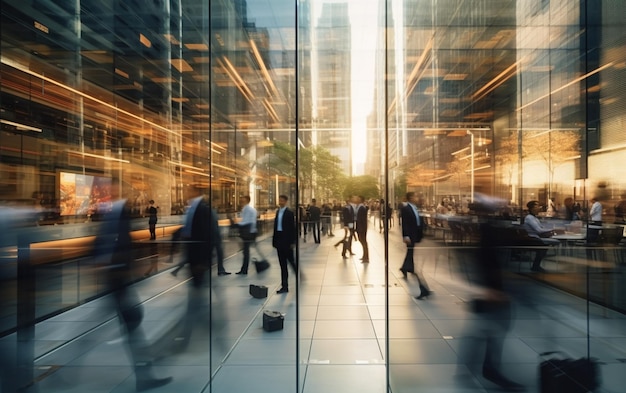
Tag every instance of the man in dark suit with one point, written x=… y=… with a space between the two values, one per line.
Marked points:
x=199 y=230
x=348 y=216
x=361 y=227
x=412 y=232
x=284 y=240
x=115 y=241
x=315 y=216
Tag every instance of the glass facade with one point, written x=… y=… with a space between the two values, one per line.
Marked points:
x=163 y=100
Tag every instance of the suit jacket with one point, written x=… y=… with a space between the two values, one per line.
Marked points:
x=347 y=215
x=410 y=228
x=287 y=237
x=361 y=219
x=315 y=213
x=203 y=231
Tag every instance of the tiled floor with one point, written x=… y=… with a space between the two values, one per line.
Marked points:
x=340 y=328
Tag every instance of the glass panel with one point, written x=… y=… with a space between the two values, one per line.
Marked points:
x=253 y=134
x=501 y=122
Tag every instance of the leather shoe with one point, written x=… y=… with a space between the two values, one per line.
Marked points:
x=240 y=272
x=282 y=290
x=223 y=273
x=424 y=294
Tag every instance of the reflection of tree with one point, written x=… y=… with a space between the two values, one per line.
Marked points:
x=318 y=169
x=507 y=155
x=329 y=176
x=459 y=167
x=419 y=175
x=552 y=147
x=400 y=187
x=365 y=186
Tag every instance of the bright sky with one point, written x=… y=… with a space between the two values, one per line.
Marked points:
x=364 y=22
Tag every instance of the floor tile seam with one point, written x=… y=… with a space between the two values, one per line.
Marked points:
x=543 y=313
x=405 y=286
x=317 y=313
x=381 y=350
x=304 y=368
x=236 y=342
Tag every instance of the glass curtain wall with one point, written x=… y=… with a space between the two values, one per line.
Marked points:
x=335 y=101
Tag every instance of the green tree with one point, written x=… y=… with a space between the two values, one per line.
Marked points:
x=328 y=174
x=284 y=159
x=319 y=171
x=365 y=186
x=401 y=186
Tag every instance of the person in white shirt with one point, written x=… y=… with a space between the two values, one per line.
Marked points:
x=595 y=221
x=595 y=213
x=248 y=231
x=536 y=230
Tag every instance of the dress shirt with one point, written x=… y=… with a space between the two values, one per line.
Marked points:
x=279 y=225
x=248 y=216
x=533 y=226
x=596 y=212
x=355 y=208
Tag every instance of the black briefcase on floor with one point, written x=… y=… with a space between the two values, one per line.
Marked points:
x=261 y=265
x=258 y=291
x=272 y=321
x=560 y=374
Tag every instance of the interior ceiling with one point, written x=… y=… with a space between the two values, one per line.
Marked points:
x=460 y=66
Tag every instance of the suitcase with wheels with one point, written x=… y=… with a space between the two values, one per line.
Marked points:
x=561 y=374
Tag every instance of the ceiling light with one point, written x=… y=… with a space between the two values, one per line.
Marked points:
x=145 y=41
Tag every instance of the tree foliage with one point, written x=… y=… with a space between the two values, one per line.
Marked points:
x=552 y=147
x=365 y=186
x=319 y=171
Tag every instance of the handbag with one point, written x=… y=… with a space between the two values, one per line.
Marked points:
x=258 y=291
x=273 y=320
x=261 y=265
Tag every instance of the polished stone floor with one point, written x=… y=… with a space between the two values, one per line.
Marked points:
x=345 y=329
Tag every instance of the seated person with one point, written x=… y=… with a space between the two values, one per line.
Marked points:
x=535 y=230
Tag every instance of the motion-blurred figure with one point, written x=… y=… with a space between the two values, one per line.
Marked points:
x=361 y=222
x=412 y=232
x=570 y=211
x=114 y=241
x=199 y=233
x=492 y=303
x=620 y=210
x=348 y=216
x=248 y=232
x=152 y=219
x=17 y=349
